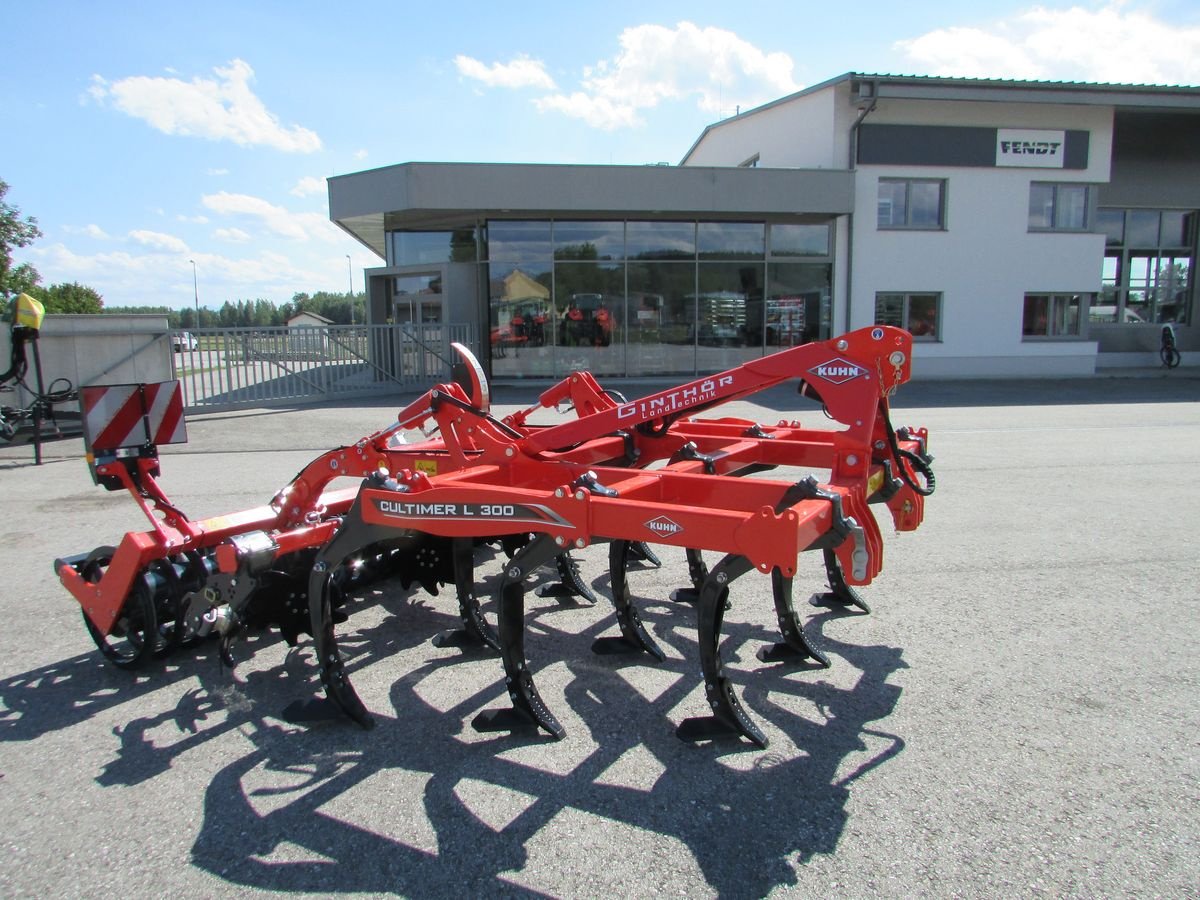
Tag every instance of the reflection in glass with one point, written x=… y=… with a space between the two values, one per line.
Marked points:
x=660 y=240
x=662 y=317
x=730 y=240
x=799 y=240
x=893 y=204
x=589 y=240
x=729 y=314
x=421 y=248
x=521 y=319
x=1175 y=230
x=798 y=304
x=1141 y=228
x=1070 y=207
x=413 y=294
x=1051 y=315
x=518 y=241
x=589 y=299
x=925 y=201
x=1111 y=223
x=1041 y=205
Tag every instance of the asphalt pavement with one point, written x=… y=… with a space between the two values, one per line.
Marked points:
x=1017 y=716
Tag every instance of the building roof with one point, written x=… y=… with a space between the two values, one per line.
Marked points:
x=441 y=196
x=866 y=88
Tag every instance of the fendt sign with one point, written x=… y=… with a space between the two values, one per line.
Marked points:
x=1029 y=148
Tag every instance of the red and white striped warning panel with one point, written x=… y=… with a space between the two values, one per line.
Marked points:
x=132 y=415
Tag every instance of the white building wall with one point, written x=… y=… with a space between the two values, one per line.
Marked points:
x=983 y=264
x=986 y=260
x=794 y=134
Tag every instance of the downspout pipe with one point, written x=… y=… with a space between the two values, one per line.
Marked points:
x=852 y=165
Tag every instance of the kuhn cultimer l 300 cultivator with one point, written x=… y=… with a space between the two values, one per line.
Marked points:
x=540 y=491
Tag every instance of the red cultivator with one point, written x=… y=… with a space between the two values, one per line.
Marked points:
x=541 y=492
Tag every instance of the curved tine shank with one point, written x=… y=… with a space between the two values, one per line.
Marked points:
x=728 y=718
x=528 y=708
x=796 y=644
x=475 y=631
x=634 y=635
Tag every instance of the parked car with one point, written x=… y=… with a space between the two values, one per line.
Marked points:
x=183 y=340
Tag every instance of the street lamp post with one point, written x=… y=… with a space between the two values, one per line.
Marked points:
x=350 y=272
x=196 y=291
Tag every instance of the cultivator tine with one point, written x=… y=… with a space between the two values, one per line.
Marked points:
x=796 y=644
x=697 y=572
x=639 y=551
x=570 y=583
x=634 y=636
x=839 y=593
x=528 y=708
x=728 y=718
x=350 y=538
x=475 y=631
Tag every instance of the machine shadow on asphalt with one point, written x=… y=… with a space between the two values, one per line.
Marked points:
x=270 y=804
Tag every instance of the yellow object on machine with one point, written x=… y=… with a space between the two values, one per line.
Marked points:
x=29 y=312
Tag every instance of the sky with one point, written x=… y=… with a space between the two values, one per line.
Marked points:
x=148 y=136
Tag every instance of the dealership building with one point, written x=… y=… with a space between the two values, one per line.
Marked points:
x=1017 y=228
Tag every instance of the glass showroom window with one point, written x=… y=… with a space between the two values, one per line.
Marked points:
x=1149 y=261
x=920 y=314
x=1051 y=315
x=917 y=203
x=1058 y=207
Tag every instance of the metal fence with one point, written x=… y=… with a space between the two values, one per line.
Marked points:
x=227 y=368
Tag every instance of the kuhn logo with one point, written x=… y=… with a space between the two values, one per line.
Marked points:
x=664 y=527
x=838 y=371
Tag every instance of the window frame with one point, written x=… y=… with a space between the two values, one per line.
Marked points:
x=1125 y=256
x=1053 y=317
x=906 y=312
x=1089 y=208
x=908 y=182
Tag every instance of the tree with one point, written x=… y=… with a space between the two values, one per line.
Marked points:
x=69 y=298
x=15 y=232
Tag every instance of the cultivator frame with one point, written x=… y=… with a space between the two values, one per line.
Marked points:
x=541 y=491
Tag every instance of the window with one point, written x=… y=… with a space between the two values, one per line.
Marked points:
x=1051 y=315
x=1148 y=264
x=920 y=314
x=422 y=248
x=1059 y=207
x=799 y=240
x=912 y=203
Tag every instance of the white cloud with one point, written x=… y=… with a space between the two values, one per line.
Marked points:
x=232 y=235
x=308 y=185
x=1105 y=44
x=156 y=240
x=361 y=154
x=92 y=231
x=195 y=220
x=217 y=173
x=219 y=109
x=715 y=68
x=301 y=226
x=522 y=72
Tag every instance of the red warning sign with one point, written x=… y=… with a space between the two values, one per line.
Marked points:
x=132 y=415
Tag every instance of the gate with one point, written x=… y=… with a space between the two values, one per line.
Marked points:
x=230 y=368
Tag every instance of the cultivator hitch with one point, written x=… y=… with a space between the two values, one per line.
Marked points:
x=625 y=473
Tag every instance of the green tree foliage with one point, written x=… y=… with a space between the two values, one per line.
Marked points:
x=257 y=313
x=68 y=298
x=15 y=232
